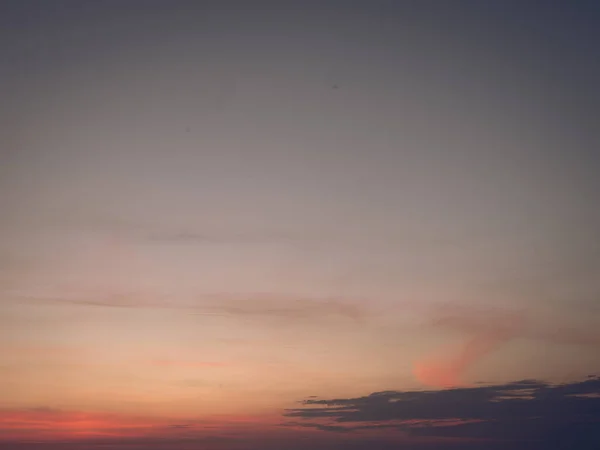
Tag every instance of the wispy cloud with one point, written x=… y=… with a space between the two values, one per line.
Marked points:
x=286 y=306
x=282 y=306
x=531 y=324
x=486 y=331
x=188 y=364
x=196 y=237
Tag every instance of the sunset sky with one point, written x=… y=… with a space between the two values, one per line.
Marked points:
x=267 y=225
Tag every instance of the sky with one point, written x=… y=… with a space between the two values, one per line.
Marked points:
x=250 y=225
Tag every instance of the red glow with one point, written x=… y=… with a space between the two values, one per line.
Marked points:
x=487 y=332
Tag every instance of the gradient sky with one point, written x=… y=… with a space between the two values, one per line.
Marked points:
x=211 y=211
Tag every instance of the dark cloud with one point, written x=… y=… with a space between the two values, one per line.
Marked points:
x=320 y=426
x=527 y=411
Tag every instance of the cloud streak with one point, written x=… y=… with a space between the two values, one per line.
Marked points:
x=189 y=364
x=486 y=331
x=252 y=305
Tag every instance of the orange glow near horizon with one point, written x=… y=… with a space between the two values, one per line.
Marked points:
x=54 y=425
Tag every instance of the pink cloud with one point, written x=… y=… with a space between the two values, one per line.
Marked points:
x=486 y=331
